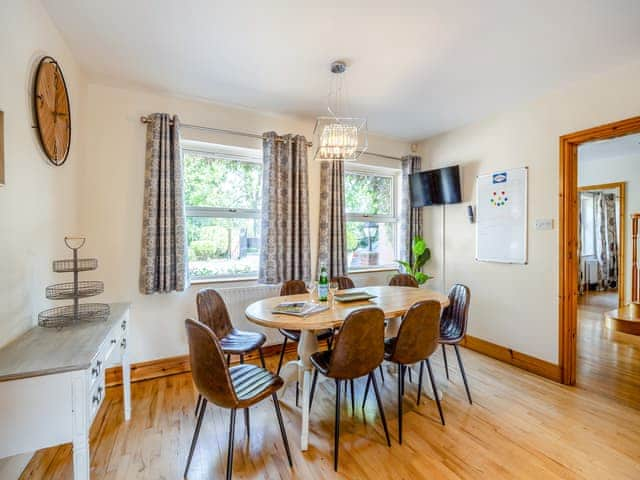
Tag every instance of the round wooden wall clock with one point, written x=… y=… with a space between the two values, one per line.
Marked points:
x=52 y=112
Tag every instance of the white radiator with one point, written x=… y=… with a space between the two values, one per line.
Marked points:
x=238 y=298
x=590 y=269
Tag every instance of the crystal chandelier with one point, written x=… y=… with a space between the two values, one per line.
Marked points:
x=339 y=137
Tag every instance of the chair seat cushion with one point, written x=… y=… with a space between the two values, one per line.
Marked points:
x=239 y=342
x=252 y=383
x=294 y=335
x=320 y=360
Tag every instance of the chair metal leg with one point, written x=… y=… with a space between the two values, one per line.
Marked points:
x=283 y=432
x=228 y=360
x=446 y=364
x=246 y=422
x=372 y=378
x=241 y=359
x=284 y=345
x=336 y=428
x=381 y=372
x=409 y=371
x=435 y=390
x=400 y=382
x=421 y=374
x=353 y=398
x=402 y=371
x=232 y=427
x=264 y=365
x=366 y=390
x=196 y=433
x=313 y=387
x=464 y=375
x=198 y=404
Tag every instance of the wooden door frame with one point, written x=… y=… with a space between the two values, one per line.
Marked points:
x=568 y=236
x=621 y=187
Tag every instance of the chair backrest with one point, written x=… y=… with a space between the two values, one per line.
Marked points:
x=359 y=347
x=293 y=287
x=418 y=334
x=208 y=367
x=344 y=283
x=453 y=323
x=403 y=280
x=213 y=312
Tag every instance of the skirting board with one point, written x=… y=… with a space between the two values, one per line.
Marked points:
x=522 y=360
x=163 y=367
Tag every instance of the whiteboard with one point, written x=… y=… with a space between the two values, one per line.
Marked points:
x=501 y=216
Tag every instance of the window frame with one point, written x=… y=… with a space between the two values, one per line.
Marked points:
x=589 y=197
x=395 y=174
x=226 y=152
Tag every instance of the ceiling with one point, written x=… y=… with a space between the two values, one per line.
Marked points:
x=416 y=67
x=627 y=146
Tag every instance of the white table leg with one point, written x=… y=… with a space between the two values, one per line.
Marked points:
x=126 y=379
x=306 y=347
x=80 y=424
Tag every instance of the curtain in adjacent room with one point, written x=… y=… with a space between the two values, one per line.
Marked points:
x=606 y=224
x=582 y=277
x=163 y=259
x=410 y=218
x=284 y=253
x=332 y=243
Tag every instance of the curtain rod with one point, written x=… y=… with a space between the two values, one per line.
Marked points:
x=145 y=119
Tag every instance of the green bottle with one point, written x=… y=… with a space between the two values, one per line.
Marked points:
x=323 y=285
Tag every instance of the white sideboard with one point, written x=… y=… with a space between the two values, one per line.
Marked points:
x=52 y=383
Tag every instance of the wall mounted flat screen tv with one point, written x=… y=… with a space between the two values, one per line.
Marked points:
x=435 y=187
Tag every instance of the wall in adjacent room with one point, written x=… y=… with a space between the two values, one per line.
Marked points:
x=112 y=193
x=38 y=203
x=619 y=169
x=517 y=305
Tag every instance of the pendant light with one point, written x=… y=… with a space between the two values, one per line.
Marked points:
x=338 y=136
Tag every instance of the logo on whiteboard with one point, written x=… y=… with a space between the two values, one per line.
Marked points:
x=500 y=177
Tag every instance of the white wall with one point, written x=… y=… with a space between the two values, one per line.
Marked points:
x=610 y=170
x=38 y=203
x=112 y=191
x=517 y=305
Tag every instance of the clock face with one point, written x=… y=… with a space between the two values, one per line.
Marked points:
x=52 y=112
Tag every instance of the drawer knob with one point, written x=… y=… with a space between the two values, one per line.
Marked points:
x=123 y=324
x=95 y=371
x=123 y=343
x=113 y=341
x=98 y=396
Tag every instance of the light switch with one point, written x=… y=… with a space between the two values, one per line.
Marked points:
x=544 y=224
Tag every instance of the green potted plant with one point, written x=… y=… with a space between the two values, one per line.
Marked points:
x=421 y=255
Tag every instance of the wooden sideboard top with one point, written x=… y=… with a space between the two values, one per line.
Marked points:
x=45 y=351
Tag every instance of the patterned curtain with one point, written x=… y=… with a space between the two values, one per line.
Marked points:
x=332 y=247
x=582 y=278
x=284 y=252
x=163 y=259
x=410 y=218
x=606 y=240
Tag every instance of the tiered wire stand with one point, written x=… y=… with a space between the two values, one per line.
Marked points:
x=59 y=317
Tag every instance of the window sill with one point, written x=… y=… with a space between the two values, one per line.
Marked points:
x=223 y=280
x=374 y=269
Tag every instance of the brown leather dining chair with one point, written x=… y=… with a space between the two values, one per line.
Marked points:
x=403 y=280
x=417 y=339
x=213 y=312
x=453 y=326
x=358 y=350
x=344 y=283
x=240 y=386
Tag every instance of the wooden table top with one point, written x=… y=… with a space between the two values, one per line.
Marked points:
x=393 y=301
x=625 y=319
x=45 y=351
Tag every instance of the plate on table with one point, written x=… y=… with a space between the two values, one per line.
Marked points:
x=353 y=296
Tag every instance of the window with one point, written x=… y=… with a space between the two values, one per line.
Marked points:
x=588 y=234
x=222 y=197
x=370 y=204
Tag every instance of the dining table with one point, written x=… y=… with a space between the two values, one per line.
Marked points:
x=392 y=300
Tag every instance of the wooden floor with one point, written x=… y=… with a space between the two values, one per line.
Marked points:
x=599 y=301
x=520 y=426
